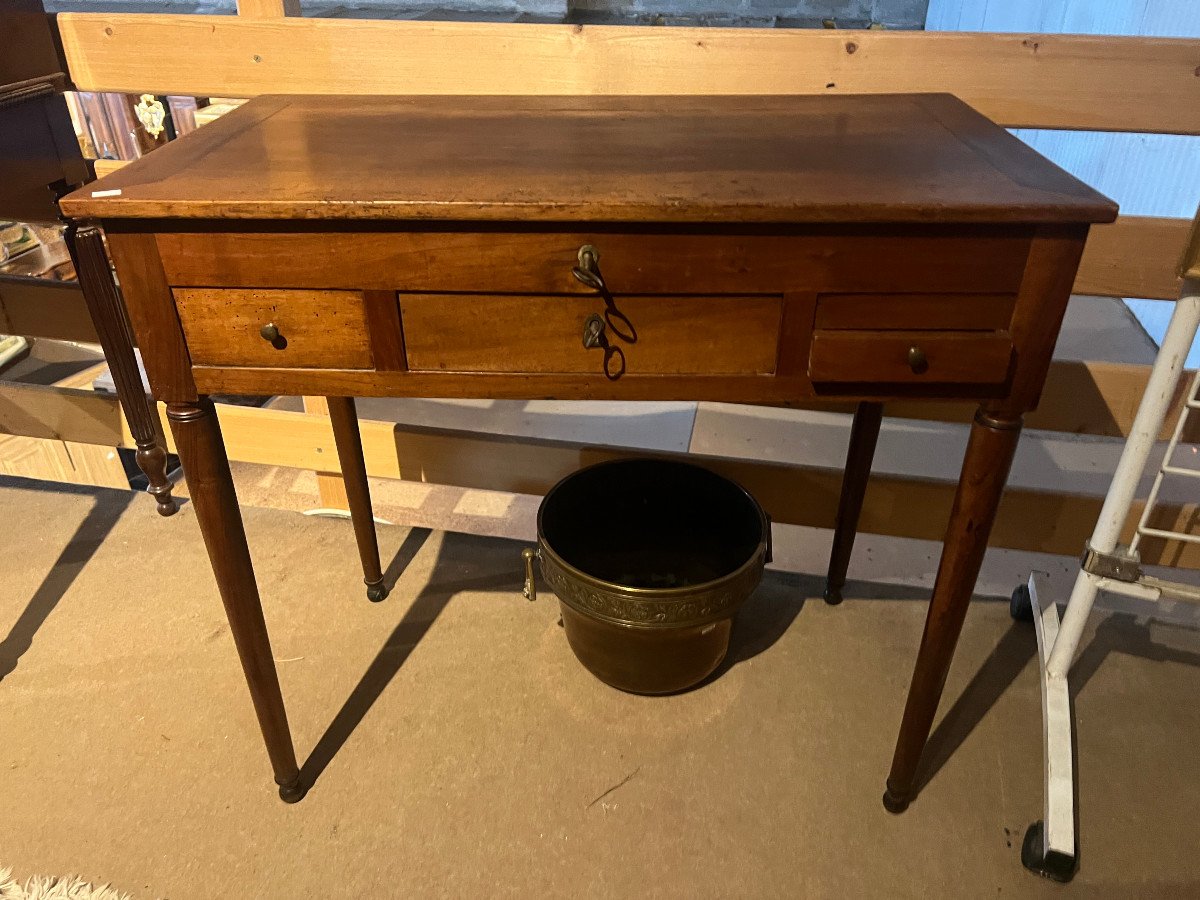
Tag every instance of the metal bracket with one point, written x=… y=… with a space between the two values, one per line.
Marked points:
x=1122 y=564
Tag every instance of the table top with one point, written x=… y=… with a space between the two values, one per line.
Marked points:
x=752 y=159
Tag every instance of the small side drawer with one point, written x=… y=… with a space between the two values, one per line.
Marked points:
x=316 y=329
x=910 y=357
x=927 y=312
x=714 y=335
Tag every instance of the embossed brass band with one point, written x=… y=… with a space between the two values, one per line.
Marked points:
x=671 y=608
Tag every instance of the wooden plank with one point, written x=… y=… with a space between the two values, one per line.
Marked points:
x=330 y=486
x=1029 y=520
x=107 y=166
x=1189 y=263
x=1036 y=521
x=296 y=440
x=1080 y=397
x=1097 y=399
x=61 y=414
x=37 y=307
x=268 y=9
x=55 y=414
x=1135 y=256
x=31 y=458
x=1020 y=80
x=97 y=465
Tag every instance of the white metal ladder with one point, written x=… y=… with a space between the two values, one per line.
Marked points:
x=1050 y=846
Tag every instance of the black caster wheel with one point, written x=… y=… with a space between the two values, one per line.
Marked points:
x=293 y=792
x=1020 y=604
x=833 y=595
x=1058 y=867
x=377 y=592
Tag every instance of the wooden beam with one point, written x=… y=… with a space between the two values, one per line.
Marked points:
x=1047 y=81
x=1036 y=521
x=330 y=486
x=1030 y=520
x=1189 y=263
x=1080 y=397
x=37 y=307
x=268 y=9
x=55 y=413
x=1091 y=398
x=295 y=440
x=61 y=414
x=106 y=166
x=1135 y=256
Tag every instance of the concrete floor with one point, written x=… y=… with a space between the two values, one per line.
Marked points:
x=462 y=751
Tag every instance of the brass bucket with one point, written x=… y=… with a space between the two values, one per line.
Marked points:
x=650 y=560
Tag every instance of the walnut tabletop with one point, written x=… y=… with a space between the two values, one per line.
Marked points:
x=798 y=159
x=742 y=249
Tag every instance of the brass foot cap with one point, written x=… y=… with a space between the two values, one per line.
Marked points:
x=893 y=804
x=377 y=592
x=293 y=791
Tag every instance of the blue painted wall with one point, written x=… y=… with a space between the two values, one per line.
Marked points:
x=1148 y=174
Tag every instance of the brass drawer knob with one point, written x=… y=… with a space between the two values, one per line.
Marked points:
x=917 y=360
x=270 y=334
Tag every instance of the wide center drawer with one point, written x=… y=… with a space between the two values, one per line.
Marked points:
x=655 y=335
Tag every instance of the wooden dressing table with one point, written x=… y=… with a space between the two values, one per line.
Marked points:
x=745 y=249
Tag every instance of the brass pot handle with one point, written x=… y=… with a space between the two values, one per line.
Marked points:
x=529 y=554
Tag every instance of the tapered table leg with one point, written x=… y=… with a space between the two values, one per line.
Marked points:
x=864 y=434
x=202 y=452
x=354 y=473
x=116 y=338
x=985 y=469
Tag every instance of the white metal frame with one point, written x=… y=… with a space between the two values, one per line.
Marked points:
x=1050 y=845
